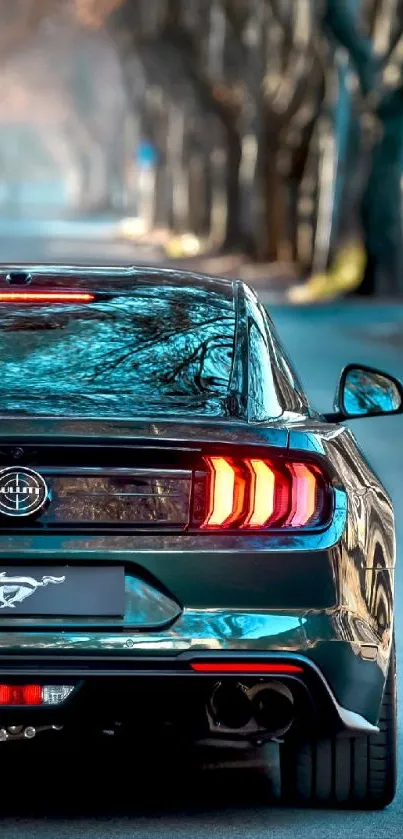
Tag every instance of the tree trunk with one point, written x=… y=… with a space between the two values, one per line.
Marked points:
x=381 y=206
x=196 y=192
x=249 y=192
x=272 y=200
x=233 y=233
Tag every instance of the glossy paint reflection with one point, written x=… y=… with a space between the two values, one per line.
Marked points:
x=368 y=550
x=366 y=392
x=273 y=385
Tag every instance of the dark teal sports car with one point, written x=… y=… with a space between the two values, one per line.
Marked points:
x=185 y=543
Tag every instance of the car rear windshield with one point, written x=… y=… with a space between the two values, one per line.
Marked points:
x=165 y=346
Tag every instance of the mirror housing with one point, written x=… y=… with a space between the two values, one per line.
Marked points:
x=366 y=392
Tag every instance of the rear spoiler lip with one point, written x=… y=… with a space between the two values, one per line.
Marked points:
x=142 y=431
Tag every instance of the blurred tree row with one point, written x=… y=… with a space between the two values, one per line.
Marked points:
x=229 y=93
x=250 y=107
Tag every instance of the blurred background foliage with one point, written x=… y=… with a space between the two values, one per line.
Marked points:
x=265 y=127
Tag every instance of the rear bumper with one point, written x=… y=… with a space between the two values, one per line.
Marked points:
x=350 y=675
x=126 y=680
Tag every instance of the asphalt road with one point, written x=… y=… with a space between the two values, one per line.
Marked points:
x=107 y=798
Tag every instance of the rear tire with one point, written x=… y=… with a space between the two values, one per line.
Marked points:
x=358 y=772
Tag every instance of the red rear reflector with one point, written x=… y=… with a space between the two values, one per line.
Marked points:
x=5 y=694
x=21 y=694
x=45 y=297
x=32 y=694
x=243 y=667
x=252 y=492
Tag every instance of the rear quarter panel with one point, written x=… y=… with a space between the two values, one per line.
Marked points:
x=367 y=547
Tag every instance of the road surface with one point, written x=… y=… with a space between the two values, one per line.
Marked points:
x=104 y=799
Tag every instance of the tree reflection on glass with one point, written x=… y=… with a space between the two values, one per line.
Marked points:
x=160 y=345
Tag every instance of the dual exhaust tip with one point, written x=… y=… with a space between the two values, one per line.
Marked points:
x=270 y=706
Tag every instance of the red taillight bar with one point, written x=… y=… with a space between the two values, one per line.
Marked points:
x=27 y=695
x=46 y=297
x=244 y=667
x=251 y=493
x=227 y=492
x=21 y=694
x=261 y=494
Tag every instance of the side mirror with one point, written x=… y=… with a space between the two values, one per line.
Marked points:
x=366 y=392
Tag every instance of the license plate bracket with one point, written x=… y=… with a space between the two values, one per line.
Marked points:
x=53 y=591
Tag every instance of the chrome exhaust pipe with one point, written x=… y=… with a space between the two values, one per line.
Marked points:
x=273 y=708
x=230 y=706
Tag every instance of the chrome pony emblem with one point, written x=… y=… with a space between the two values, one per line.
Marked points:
x=16 y=589
x=22 y=492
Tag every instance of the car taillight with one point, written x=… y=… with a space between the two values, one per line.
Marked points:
x=252 y=493
x=34 y=694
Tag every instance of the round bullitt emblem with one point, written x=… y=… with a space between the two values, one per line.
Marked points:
x=22 y=492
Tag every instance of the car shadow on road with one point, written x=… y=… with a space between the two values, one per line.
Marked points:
x=142 y=792
x=122 y=782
